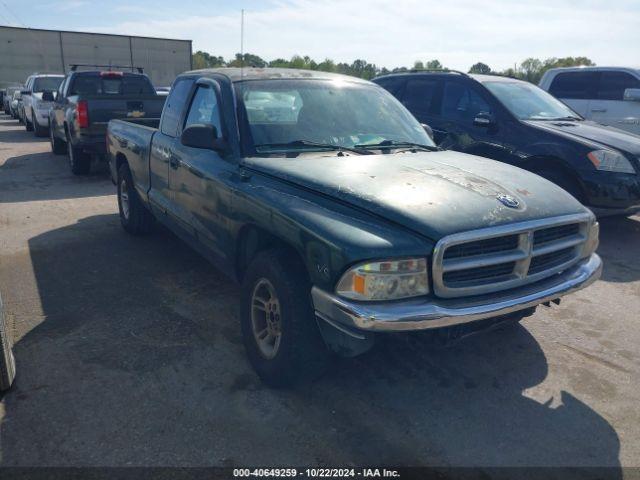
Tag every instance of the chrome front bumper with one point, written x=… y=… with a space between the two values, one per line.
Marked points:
x=423 y=314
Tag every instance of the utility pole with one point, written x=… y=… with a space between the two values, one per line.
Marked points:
x=241 y=43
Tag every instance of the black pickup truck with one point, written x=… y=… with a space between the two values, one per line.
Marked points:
x=330 y=204
x=84 y=104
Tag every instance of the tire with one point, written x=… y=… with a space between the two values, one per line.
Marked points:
x=27 y=124
x=79 y=161
x=292 y=350
x=58 y=146
x=563 y=181
x=7 y=362
x=134 y=216
x=37 y=129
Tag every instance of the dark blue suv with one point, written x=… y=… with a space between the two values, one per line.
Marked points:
x=518 y=123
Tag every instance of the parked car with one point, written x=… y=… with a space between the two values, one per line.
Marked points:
x=8 y=98
x=518 y=123
x=35 y=107
x=84 y=104
x=607 y=95
x=16 y=104
x=342 y=219
x=3 y=92
x=7 y=362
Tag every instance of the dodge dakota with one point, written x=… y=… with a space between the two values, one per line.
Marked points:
x=340 y=218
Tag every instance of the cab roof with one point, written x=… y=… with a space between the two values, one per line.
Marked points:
x=235 y=74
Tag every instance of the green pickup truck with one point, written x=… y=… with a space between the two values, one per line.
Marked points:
x=332 y=207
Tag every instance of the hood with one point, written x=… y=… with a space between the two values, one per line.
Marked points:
x=432 y=193
x=589 y=132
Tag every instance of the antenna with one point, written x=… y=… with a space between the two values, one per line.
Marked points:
x=241 y=43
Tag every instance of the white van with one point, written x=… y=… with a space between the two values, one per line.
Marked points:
x=607 y=95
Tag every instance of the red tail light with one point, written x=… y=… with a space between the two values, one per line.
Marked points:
x=111 y=74
x=82 y=114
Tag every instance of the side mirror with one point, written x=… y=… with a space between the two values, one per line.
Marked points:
x=200 y=135
x=25 y=92
x=48 y=96
x=483 y=119
x=428 y=129
x=632 y=94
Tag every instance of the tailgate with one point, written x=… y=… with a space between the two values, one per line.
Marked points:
x=109 y=107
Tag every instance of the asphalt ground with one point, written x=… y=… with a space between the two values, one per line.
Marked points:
x=128 y=352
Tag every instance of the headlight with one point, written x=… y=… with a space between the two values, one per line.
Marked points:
x=385 y=280
x=593 y=239
x=610 y=161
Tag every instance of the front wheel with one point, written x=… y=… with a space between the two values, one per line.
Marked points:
x=79 y=161
x=27 y=123
x=57 y=146
x=134 y=216
x=279 y=329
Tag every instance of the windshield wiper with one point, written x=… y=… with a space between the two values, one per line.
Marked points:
x=398 y=144
x=309 y=143
x=557 y=119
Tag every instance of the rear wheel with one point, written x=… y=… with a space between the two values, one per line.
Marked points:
x=134 y=216
x=279 y=329
x=79 y=161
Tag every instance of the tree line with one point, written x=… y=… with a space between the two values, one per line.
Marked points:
x=530 y=69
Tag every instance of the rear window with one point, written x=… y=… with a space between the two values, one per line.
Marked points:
x=574 y=85
x=50 y=84
x=95 y=84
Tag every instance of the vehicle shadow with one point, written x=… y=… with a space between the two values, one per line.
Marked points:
x=619 y=237
x=44 y=176
x=17 y=134
x=136 y=359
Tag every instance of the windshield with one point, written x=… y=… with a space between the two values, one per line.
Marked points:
x=288 y=115
x=42 y=84
x=528 y=102
x=111 y=84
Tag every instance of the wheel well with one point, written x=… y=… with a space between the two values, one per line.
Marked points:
x=541 y=165
x=120 y=160
x=253 y=240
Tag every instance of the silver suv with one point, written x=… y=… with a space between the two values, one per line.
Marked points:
x=35 y=107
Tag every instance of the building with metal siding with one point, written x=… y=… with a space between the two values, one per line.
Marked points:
x=24 y=51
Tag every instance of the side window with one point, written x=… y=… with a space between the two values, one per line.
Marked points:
x=574 y=85
x=61 y=88
x=419 y=94
x=613 y=84
x=204 y=109
x=173 y=108
x=460 y=103
x=392 y=85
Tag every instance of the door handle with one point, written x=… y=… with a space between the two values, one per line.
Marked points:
x=174 y=162
x=599 y=110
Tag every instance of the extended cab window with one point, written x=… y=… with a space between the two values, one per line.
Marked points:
x=175 y=105
x=574 y=85
x=419 y=94
x=613 y=84
x=461 y=103
x=204 y=109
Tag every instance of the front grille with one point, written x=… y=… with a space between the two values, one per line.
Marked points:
x=550 y=260
x=494 y=259
x=482 y=247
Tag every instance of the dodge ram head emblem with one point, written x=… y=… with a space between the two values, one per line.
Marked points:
x=508 y=200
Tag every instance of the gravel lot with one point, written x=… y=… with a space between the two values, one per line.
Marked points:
x=128 y=352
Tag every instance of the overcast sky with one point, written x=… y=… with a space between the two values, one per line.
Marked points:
x=389 y=33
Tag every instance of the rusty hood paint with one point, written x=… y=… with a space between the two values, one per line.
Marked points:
x=432 y=193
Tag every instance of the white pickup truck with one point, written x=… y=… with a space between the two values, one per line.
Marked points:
x=607 y=95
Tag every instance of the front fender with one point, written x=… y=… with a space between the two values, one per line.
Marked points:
x=328 y=235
